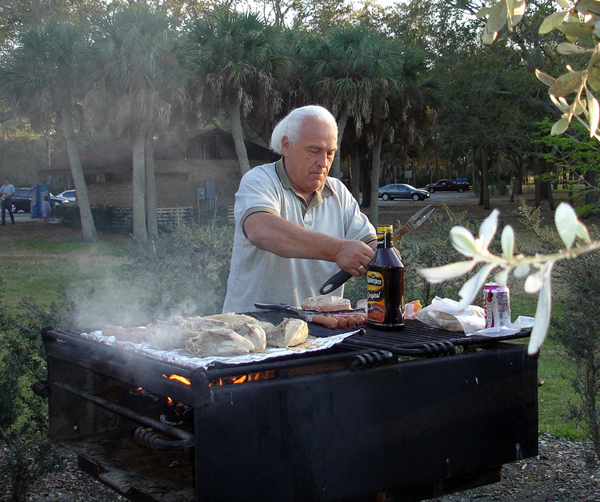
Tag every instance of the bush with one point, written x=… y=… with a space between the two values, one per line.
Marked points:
x=106 y=218
x=579 y=283
x=24 y=415
x=183 y=272
x=430 y=246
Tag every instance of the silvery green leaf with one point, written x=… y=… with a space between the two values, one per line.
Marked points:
x=582 y=232
x=487 y=36
x=484 y=11
x=488 y=228
x=565 y=220
x=570 y=49
x=567 y=83
x=463 y=241
x=498 y=16
x=551 y=22
x=594 y=112
x=518 y=12
x=474 y=285
x=560 y=126
x=544 y=78
x=521 y=271
x=534 y=282
x=436 y=275
x=564 y=4
x=508 y=242
x=501 y=277
x=542 y=314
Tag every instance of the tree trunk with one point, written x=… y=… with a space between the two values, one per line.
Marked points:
x=88 y=228
x=336 y=171
x=537 y=182
x=375 y=173
x=151 y=204
x=140 y=231
x=355 y=173
x=238 y=135
x=485 y=189
x=365 y=183
x=591 y=195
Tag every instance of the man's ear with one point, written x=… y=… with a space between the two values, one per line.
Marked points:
x=285 y=143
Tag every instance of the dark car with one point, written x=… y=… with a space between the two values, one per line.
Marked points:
x=402 y=191
x=21 y=200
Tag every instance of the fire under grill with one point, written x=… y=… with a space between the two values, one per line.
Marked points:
x=416 y=413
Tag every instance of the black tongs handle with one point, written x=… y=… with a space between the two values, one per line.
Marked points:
x=334 y=282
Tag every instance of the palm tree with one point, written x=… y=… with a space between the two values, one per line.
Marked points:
x=138 y=76
x=350 y=74
x=242 y=65
x=408 y=111
x=40 y=78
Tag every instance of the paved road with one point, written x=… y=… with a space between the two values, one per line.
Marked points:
x=435 y=197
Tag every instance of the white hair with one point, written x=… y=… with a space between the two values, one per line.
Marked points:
x=290 y=125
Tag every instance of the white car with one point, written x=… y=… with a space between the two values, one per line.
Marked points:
x=67 y=194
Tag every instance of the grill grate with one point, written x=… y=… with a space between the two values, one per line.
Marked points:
x=416 y=339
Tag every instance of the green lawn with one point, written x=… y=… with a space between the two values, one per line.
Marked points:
x=35 y=266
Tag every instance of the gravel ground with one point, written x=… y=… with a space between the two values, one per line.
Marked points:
x=564 y=471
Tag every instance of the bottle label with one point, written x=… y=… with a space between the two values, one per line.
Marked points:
x=375 y=296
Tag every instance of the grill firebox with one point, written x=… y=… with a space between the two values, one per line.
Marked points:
x=371 y=414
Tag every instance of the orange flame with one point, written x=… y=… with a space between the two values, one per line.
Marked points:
x=179 y=379
x=251 y=377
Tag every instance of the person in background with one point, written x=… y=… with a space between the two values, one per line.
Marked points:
x=295 y=225
x=46 y=209
x=6 y=192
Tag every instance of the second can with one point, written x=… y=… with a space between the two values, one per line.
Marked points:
x=496 y=304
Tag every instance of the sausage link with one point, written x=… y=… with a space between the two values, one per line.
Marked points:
x=327 y=321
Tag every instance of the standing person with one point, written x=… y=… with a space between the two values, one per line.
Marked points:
x=46 y=209
x=295 y=226
x=6 y=193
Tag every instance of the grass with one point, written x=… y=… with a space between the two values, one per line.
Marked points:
x=33 y=265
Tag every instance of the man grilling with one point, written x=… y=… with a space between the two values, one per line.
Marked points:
x=295 y=226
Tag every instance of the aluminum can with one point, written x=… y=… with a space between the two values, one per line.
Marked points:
x=496 y=304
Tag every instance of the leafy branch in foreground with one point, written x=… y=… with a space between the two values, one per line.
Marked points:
x=537 y=268
x=579 y=21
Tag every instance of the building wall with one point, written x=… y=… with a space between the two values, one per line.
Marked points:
x=177 y=182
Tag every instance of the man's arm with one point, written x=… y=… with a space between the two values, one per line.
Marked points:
x=288 y=240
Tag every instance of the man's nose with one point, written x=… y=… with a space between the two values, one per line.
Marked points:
x=323 y=159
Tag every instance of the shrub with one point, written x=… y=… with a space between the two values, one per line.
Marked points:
x=183 y=272
x=577 y=330
x=24 y=415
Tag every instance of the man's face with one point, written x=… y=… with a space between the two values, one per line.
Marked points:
x=308 y=160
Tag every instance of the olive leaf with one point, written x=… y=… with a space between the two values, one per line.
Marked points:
x=594 y=112
x=588 y=7
x=594 y=78
x=544 y=77
x=552 y=22
x=498 y=16
x=570 y=49
x=575 y=29
x=559 y=127
x=567 y=83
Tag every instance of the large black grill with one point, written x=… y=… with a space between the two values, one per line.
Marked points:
x=417 y=413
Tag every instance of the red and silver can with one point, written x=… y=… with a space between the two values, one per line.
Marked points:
x=496 y=304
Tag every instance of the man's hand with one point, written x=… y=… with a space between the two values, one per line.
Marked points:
x=353 y=257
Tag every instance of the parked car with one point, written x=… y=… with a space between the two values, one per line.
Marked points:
x=21 y=200
x=402 y=191
x=69 y=195
x=459 y=185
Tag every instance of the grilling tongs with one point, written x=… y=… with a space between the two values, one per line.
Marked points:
x=416 y=220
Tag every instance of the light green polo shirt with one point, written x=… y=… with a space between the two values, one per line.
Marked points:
x=260 y=276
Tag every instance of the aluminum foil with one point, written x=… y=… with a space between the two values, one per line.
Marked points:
x=182 y=358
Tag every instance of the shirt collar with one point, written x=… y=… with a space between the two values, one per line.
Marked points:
x=324 y=191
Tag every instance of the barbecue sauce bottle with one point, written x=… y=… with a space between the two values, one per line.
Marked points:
x=385 y=285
